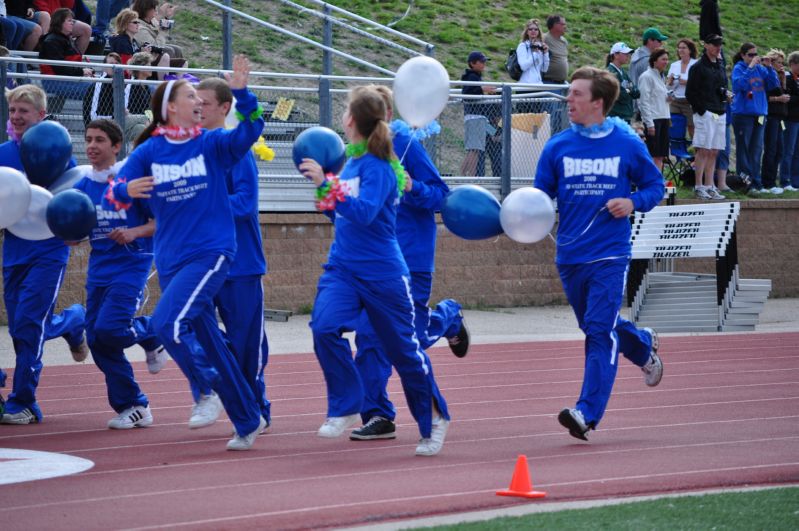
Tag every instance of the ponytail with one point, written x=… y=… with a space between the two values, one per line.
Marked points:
x=379 y=142
x=368 y=110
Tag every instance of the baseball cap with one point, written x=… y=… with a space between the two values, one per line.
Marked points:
x=620 y=47
x=477 y=56
x=653 y=33
x=713 y=39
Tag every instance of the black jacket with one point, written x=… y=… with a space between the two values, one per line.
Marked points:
x=59 y=47
x=472 y=105
x=776 y=109
x=792 y=88
x=707 y=86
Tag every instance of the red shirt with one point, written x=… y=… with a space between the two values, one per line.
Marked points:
x=52 y=5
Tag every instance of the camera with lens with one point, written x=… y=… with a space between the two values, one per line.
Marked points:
x=723 y=93
x=537 y=46
x=166 y=23
x=157 y=50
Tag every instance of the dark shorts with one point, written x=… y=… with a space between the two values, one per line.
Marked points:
x=658 y=145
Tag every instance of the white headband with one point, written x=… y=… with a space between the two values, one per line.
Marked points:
x=165 y=101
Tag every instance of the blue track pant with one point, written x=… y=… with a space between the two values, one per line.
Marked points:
x=30 y=294
x=340 y=299
x=111 y=328
x=371 y=359
x=594 y=292
x=241 y=307
x=185 y=322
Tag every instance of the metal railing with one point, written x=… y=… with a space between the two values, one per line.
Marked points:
x=506 y=156
x=326 y=46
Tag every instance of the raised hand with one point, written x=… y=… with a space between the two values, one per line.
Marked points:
x=241 y=73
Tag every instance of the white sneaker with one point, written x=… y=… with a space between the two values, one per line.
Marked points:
x=653 y=370
x=206 y=411
x=245 y=443
x=25 y=416
x=335 y=426
x=777 y=190
x=715 y=195
x=433 y=444
x=764 y=191
x=133 y=417
x=573 y=420
x=156 y=359
x=791 y=188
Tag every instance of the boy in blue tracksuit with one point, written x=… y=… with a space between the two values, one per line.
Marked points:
x=119 y=263
x=416 y=234
x=32 y=276
x=240 y=301
x=590 y=169
x=366 y=271
x=180 y=169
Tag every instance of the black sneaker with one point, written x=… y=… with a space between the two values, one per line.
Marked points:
x=459 y=344
x=376 y=428
x=573 y=420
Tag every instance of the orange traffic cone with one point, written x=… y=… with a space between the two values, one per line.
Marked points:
x=520 y=484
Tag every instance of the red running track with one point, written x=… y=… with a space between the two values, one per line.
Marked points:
x=726 y=414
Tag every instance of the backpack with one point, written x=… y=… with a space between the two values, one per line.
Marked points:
x=512 y=66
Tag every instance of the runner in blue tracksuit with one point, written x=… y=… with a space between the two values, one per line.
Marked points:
x=590 y=169
x=32 y=275
x=181 y=170
x=366 y=271
x=119 y=263
x=416 y=234
x=240 y=301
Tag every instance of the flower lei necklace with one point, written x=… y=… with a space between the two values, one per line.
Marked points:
x=176 y=132
x=602 y=129
x=359 y=149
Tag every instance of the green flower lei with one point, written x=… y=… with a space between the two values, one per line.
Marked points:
x=254 y=115
x=359 y=149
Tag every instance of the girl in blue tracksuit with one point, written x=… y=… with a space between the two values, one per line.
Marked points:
x=366 y=271
x=751 y=82
x=195 y=239
x=590 y=169
x=119 y=263
x=416 y=234
x=32 y=275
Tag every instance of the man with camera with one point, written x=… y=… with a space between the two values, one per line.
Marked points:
x=707 y=93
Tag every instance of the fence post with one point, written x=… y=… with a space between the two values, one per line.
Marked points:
x=507 y=108
x=4 y=107
x=118 y=89
x=325 y=103
x=227 y=39
x=327 y=40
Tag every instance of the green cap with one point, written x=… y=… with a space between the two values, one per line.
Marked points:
x=653 y=33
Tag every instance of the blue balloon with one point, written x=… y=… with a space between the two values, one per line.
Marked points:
x=322 y=145
x=471 y=212
x=45 y=150
x=71 y=215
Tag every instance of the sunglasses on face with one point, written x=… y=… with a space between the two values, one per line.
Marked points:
x=751 y=55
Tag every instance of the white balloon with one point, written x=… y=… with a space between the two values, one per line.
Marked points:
x=527 y=215
x=421 y=90
x=230 y=120
x=15 y=196
x=33 y=225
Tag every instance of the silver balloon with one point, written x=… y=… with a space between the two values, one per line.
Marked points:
x=527 y=215
x=69 y=178
x=33 y=225
x=421 y=90
x=15 y=196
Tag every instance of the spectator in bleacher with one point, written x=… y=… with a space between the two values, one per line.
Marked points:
x=81 y=32
x=98 y=102
x=678 y=78
x=706 y=91
x=475 y=127
x=772 y=135
x=57 y=45
x=789 y=168
x=618 y=57
x=558 y=71
x=654 y=106
x=125 y=44
x=653 y=40
x=155 y=28
x=750 y=81
x=532 y=53
x=105 y=11
x=34 y=23
x=137 y=97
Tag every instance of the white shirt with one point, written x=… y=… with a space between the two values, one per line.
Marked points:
x=652 y=103
x=533 y=63
x=676 y=70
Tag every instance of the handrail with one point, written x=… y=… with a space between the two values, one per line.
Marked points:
x=299 y=37
x=359 y=18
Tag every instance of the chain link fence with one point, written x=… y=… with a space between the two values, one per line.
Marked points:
x=496 y=144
